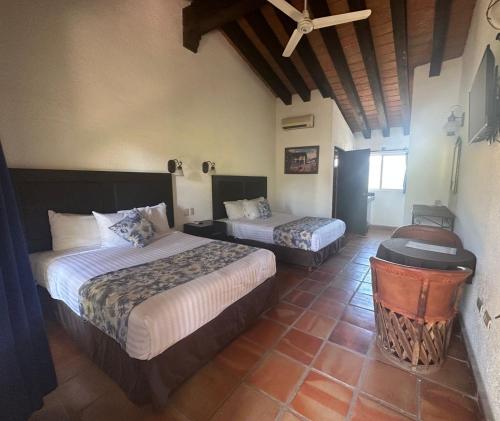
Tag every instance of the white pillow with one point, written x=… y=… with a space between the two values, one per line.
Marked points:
x=251 y=208
x=108 y=237
x=234 y=209
x=157 y=215
x=71 y=230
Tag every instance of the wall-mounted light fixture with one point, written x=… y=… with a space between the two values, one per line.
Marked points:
x=455 y=120
x=208 y=167
x=174 y=167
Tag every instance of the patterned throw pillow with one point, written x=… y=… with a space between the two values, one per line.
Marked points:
x=264 y=209
x=134 y=228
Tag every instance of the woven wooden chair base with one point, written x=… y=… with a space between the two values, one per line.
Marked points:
x=414 y=346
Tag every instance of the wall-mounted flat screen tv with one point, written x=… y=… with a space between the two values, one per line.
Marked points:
x=482 y=100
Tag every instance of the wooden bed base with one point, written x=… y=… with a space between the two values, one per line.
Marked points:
x=153 y=381
x=306 y=258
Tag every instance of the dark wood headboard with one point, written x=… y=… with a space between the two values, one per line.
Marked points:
x=82 y=192
x=235 y=187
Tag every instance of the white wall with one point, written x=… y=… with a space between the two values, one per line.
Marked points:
x=430 y=150
x=91 y=84
x=342 y=135
x=477 y=206
x=309 y=194
x=388 y=206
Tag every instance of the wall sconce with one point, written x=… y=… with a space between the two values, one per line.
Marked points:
x=455 y=121
x=208 y=167
x=174 y=167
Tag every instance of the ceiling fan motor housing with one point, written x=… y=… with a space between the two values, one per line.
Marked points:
x=305 y=26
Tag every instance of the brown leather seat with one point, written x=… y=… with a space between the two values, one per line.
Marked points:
x=435 y=235
x=414 y=312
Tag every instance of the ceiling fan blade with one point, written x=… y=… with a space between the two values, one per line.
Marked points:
x=287 y=9
x=292 y=43
x=343 y=18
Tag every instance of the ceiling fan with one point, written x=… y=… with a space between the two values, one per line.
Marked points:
x=305 y=24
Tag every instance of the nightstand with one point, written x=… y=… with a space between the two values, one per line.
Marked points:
x=209 y=229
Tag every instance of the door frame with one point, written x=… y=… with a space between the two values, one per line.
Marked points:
x=335 y=173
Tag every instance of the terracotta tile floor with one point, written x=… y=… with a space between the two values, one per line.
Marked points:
x=312 y=357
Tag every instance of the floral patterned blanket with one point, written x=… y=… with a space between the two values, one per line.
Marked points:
x=298 y=234
x=107 y=300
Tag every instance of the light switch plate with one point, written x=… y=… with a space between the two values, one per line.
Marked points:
x=487 y=319
x=479 y=304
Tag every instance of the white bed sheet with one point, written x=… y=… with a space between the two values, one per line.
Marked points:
x=166 y=318
x=262 y=229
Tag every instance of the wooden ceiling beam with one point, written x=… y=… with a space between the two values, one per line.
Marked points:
x=310 y=60
x=265 y=33
x=241 y=42
x=365 y=41
x=399 y=26
x=202 y=16
x=441 y=22
x=331 y=39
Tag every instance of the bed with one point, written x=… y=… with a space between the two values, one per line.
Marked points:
x=259 y=232
x=168 y=335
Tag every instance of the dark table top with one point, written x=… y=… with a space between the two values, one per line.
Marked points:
x=395 y=250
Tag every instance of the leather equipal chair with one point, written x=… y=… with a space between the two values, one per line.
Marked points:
x=414 y=312
x=434 y=235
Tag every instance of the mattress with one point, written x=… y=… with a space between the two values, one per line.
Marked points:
x=165 y=318
x=262 y=229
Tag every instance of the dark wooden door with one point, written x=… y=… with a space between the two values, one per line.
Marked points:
x=352 y=189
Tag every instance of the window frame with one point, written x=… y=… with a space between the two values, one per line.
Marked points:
x=383 y=154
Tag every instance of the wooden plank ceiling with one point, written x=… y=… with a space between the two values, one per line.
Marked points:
x=365 y=66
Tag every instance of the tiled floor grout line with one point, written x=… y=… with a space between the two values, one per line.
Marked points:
x=310 y=366
x=325 y=341
x=373 y=397
x=81 y=410
x=272 y=348
x=262 y=358
x=286 y=405
x=389 y=405
x=444 y=385
x=252 y=369
x=265 y=355
x=357 y=389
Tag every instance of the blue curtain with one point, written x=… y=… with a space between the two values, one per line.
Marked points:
x=26 y=369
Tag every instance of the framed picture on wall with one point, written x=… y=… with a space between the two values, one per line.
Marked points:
x=302 y=160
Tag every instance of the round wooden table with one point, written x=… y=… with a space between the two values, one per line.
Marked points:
x=396 y=250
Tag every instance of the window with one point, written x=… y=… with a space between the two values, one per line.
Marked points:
x=387 y=171
x=375 y=172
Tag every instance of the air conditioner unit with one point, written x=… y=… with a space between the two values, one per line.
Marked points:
x=299 y=122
